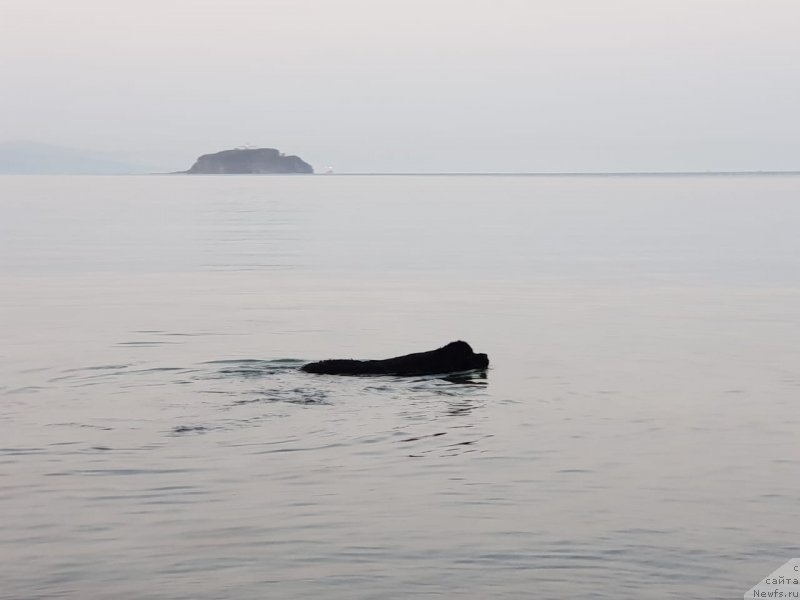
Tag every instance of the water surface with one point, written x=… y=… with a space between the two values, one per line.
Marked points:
x=635 y=437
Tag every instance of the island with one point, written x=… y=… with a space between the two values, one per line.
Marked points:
x=249 y=161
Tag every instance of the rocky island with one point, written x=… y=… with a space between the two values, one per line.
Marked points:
x=249 y=161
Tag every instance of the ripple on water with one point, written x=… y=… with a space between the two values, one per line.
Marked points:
x=303 y=396
x=145 y=343
x=27 y=389
x=116 y=472
x=98 y=368
x=23 y=451
x=81 y=426
x=239 y=384
x=251 y=367
x=184 y=429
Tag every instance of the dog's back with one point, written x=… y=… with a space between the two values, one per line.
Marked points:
x=455 y=356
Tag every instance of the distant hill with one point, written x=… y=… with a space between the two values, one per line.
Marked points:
x=249 y=161
x=32 y=158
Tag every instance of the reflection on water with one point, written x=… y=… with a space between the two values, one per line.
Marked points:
x=159 y=441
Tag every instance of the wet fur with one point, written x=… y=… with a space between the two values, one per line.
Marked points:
x=454 y=357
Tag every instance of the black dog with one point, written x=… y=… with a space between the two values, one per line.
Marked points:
x=455 y=356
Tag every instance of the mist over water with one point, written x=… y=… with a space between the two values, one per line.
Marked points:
x=634 y=437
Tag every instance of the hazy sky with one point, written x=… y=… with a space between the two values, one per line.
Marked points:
x=411 y=85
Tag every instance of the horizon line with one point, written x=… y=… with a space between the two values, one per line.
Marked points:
x=435 y=173
x=567 y=173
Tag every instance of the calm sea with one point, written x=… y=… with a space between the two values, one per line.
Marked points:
x=635 y=437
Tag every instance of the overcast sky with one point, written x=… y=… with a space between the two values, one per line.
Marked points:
x=411 y=85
